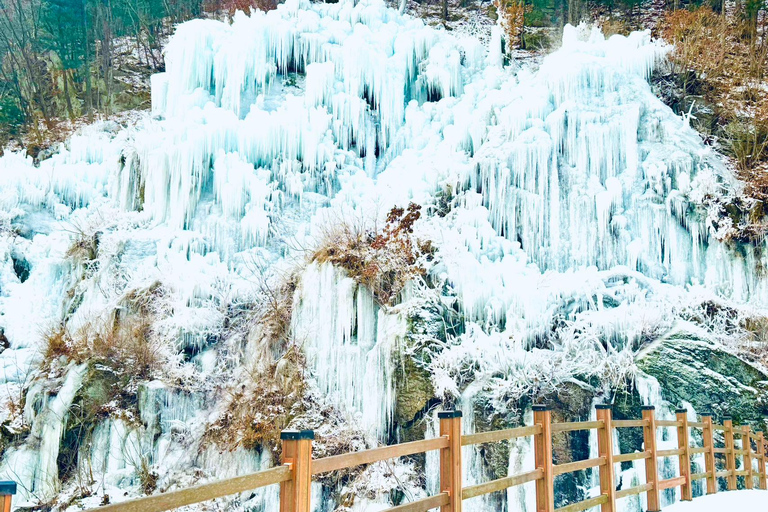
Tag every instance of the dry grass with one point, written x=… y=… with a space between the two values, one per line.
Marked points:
x=383 y=261
x=124 y=346
x=512 y=17
x=724 y=58
x=258 y=409
x=125 y=343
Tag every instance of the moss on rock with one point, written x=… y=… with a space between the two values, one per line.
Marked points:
x=694 y=370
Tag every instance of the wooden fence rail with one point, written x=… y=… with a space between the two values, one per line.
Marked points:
x=295 y=474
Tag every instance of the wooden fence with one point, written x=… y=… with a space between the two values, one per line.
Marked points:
x=298 y=467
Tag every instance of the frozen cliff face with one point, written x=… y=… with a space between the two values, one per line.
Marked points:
x=566 y=207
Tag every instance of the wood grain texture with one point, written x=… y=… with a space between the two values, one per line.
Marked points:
x=349 y=460
x=709 y=454
x=605 y=451
x=203 y=492
x=730 y=456
x=576 y=425
x=633 y=490
x=545 y=489
x=500 y=435
x=422 y=505
x=626 y=457
x=651 y=465
x=501 y=484
x=578 y=465
x=584 y=505
x=684 y=460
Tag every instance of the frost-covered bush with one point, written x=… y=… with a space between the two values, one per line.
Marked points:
x=382 y=260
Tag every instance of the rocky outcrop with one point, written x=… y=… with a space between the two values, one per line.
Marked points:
x=694 y=370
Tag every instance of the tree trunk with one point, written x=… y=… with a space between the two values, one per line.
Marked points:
x=70 y=110
x=86 y=67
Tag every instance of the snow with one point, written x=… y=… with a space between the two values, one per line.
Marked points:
x=743 y=500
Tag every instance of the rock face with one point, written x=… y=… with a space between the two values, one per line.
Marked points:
x=692 y=369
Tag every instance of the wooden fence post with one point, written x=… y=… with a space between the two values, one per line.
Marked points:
x=730 y=457
x=709 y=454
x=651 y=463
x=684 y=443
x=605 y=449
x=295 y=494
x=761 y=473
x=542 y=443
x=7 y=490
x=450 y=460
x=746 y=445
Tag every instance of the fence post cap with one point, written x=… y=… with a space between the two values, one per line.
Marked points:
x=601 y=407
x=727 y=418
x=706 y=414
x=647 y=407
x=7 y=488
x=444 y=415
x=681 y=410
x=296 y=435
x=541 y=408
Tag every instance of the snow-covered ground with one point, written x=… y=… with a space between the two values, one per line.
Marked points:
x=741 y=501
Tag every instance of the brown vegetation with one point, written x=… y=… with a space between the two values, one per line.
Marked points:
x=723 y=58
x=125 y=346
x=512 y=17
x=232 y=6
x=258 y=409
x=383 y=261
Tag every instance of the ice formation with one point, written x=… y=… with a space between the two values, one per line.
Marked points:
x=576 y=199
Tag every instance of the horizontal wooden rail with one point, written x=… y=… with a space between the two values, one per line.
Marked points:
x=422 y=505
x=500 y=435
x=696 y=424
x=349 y=460
x=633 y=490
x=584 y=505
x=672 y=482
x=202 y=492
x=580 y=465
x=719 y=450
x=501 y=484
x=626 y=457
x=699 y=476
x=723 y=474
x=576 y=425
x=694 y=451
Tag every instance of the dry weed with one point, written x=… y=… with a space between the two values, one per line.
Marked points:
x=382 y=261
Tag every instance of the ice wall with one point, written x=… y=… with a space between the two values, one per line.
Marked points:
x=348 y=340
x=576 y=224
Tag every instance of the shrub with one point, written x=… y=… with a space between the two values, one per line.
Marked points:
x=512 y=16
x=747 y=142
x=125 y=342
x=721 y=58
x=258 y=409
x=382 y=261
